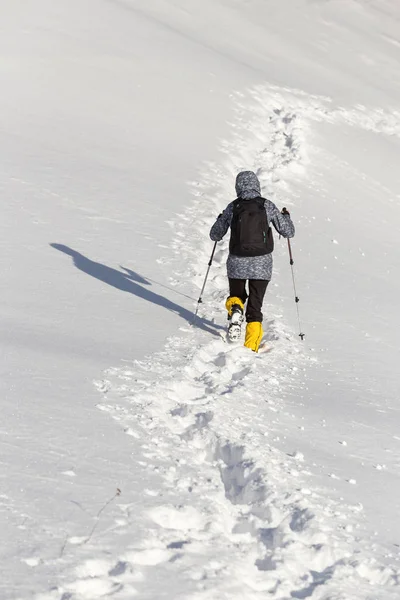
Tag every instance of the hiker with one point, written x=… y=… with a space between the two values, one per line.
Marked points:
x=250 y=254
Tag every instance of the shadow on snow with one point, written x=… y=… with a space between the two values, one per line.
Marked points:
x=133 y=283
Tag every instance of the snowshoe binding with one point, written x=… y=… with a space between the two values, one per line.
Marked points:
x=235 y=324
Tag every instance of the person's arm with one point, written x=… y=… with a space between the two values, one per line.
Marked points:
x=221 y=225
x=280 y=220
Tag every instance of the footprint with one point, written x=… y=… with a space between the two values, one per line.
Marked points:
x=239 y=375
x=118 y=569
x=181 y=518
x=202 y=421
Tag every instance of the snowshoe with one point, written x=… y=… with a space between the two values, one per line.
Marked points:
x=235 y=324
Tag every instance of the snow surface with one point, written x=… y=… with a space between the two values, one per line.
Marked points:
x=191 y=468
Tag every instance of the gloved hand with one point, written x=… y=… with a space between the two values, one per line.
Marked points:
x=285 y=211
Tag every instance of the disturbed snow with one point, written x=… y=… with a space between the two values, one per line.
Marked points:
x=237 y=501
x=222 y=474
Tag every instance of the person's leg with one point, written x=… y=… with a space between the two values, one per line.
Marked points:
x=257 y=289
x=254 y=316
x=237 y=295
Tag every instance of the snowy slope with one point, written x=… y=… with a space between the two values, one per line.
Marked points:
x=239 y=475
x=90 y=157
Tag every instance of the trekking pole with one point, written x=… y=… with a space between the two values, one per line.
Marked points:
x=296 y=298
x=200 y=300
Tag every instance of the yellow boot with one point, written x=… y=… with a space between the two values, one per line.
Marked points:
x=230 y=303
x=254 y=333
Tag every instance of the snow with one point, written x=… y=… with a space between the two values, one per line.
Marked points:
x=141 y=455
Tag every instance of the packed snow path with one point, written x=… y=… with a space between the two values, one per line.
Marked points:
x=233 y=517
x=227 y=513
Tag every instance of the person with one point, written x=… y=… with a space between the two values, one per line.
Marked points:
x=250 y=254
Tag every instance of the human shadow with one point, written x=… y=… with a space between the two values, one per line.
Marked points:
x=133 y=283
x=132 y=274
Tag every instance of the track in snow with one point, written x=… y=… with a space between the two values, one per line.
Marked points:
x=230 y=516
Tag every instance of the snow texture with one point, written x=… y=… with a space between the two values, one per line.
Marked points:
x=194 y=469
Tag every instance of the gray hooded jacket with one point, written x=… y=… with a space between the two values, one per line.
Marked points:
x=251 y=267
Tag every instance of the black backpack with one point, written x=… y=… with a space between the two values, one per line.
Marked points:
x=250 y=233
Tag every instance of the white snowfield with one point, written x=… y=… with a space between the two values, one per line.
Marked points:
x=141 y=456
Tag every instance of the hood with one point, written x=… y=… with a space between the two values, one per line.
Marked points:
x=247 y=185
